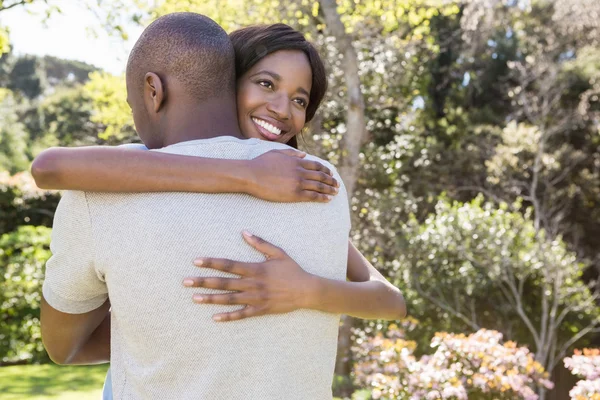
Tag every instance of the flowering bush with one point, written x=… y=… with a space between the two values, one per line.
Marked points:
x=587 y=365
x=462 y=367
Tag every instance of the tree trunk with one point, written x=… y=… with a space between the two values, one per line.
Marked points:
x=355 y=111
x=350 y=145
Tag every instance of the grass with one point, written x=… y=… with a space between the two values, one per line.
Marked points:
x=53 y=382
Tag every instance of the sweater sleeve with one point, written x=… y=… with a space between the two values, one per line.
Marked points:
x=72 y=283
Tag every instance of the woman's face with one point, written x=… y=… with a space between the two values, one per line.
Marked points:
x=273 y=95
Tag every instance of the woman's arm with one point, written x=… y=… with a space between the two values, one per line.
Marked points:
x=278 y=175
x=280 y=285
x=368 y=296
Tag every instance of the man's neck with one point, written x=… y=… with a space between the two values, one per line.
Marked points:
x=186 y=121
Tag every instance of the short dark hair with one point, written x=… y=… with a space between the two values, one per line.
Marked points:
x=254 y=43
x=191 y=47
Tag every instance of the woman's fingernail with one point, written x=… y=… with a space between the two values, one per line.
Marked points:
x=217 y=318
x=198 y=262
x=188 y=282
x=198 y=298
x=246 y=233
x=328 y=197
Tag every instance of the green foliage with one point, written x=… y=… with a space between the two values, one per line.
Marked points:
x=23 y=254
x=28 y=77
x=13 y=137
x=109 y=100
x=4 y=41
x=475 y=265
x=22 y=203
x=66 y=72
x=63 y=118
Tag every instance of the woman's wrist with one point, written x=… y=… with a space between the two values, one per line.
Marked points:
x=311 y=292
x=244 y=177
x=231 y=176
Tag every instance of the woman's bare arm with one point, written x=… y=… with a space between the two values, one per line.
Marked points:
x=280 y=285
x=278 y=175
x=367 y=295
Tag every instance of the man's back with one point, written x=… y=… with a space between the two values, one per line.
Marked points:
x=165 y=346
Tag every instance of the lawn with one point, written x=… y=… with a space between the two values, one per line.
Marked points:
x=37 y=382
x=53 y=382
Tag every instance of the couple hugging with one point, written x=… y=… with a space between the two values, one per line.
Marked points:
x=216 y=264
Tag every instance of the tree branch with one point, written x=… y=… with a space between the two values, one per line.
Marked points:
x=443 y=306
x=18 y=3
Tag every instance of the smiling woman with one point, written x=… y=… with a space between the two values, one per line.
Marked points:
x=291 y=76
x=275 y=95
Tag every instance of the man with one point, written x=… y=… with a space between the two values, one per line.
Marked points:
x=138 y=248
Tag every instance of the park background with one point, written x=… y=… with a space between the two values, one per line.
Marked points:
x=467 y=132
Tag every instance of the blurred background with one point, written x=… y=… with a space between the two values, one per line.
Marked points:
x=469 y=144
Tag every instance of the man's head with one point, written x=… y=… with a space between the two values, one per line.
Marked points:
x=180 y=59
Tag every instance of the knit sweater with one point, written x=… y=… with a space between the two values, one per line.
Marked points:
x=138 y=248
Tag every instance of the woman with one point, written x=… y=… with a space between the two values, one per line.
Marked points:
x=281 y=82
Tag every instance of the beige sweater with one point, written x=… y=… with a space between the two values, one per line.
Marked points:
x=137 y=249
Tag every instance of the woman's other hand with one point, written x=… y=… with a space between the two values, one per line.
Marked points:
x=285 y=176
x=277 y=285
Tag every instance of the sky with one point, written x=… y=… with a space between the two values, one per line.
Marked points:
x=67 y=35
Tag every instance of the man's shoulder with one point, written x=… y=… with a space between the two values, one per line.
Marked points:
x=73 y=198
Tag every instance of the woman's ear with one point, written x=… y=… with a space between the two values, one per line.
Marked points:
x=154 y=90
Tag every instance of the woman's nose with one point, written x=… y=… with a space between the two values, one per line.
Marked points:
x=280 y=106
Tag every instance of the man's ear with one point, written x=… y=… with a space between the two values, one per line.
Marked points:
x=154 y=87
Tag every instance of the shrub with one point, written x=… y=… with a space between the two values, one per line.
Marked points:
x=587 y=365
x=472 y=367
x=23 y=203
x=23 y=254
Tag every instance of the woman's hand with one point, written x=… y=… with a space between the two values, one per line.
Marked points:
x=285 y=176
x=275 y=286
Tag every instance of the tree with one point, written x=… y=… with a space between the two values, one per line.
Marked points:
x=478 y=266
x=28 y=77
x=110 y=108
x=351 y=144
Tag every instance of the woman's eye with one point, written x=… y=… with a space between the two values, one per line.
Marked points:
x=267 y=84
x=301 y=102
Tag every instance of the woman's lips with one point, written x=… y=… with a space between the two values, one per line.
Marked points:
x=265 y=132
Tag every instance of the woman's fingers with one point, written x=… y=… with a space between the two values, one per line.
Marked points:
x=224 y=299
x=330 y=184
x=269 y=250
x=225 y=265
x=319 y=187
x=245 y=312
x=315 y=166
x=217 y=283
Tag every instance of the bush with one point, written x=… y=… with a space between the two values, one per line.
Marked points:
x=587 y=365
x=23 y=203
x=23 y=255
x=477 y=366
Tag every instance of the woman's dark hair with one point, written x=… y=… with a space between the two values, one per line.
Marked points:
x=253 y=43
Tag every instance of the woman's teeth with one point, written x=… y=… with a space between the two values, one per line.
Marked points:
x=270 y=128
